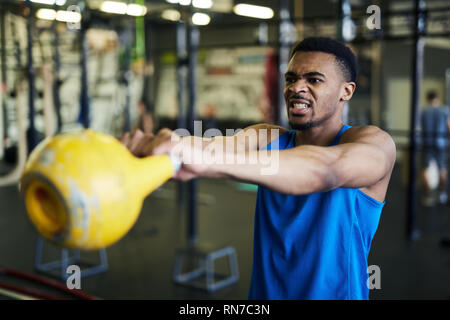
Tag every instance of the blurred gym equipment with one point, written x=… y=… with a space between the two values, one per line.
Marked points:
x=28 y=293
x=13 y=176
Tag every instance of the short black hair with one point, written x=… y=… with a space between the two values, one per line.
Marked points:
x=431 y=95
x=344 y=56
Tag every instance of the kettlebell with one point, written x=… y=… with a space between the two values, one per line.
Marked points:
x=85 y=190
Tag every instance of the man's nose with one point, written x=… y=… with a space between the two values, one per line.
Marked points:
x=299 y=86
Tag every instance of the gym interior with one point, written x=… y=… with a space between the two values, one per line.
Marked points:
x=116 y=66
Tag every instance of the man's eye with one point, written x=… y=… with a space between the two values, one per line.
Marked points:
x=290 y=80
x=314 y=80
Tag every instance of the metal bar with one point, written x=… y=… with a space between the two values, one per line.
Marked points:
x=420 y=25
x=127 y=76
x=31 y=132
x=84 y=94
x=57 y=81
x=284 y=47
x=182 y=69
x=194 y=37
x=182 y=66
x=147 y=95
x=64 y=263
x=4 y=79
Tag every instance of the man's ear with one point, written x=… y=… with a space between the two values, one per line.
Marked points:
x=348 y=88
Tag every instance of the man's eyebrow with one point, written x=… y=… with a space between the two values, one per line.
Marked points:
x=314 y=74
x=290 y=74
x=308 y=74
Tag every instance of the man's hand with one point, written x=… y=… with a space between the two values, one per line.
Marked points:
x=165 y=142
x=137 y=142
x=147 y=144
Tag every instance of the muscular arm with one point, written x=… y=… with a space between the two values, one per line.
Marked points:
x=192 y=148
x=364 y=156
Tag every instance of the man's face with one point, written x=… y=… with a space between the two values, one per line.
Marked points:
x=314 y=87
x=435 y=102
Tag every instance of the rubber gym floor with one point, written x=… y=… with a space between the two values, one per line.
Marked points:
x=141 y=264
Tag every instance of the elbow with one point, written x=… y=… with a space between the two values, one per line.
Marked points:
x=330 y=181
x=327 y=179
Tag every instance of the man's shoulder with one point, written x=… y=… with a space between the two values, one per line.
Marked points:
x=370 y=134
x=356 y=132
x=427 y=112
x=445 y=109
x=373 y=136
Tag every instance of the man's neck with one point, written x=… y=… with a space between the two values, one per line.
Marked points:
x=321 y=135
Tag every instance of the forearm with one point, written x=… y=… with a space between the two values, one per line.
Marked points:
x=201 y=144
x=250 y=138
x=295 y=171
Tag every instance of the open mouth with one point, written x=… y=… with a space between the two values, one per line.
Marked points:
x=299 y=107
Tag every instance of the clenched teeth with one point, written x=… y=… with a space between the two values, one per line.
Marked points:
x=300 y=105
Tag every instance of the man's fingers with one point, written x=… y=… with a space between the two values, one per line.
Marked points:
x=145 y=144
x=165 y=132
x=137 y=138
x=163 y=143
x=125 y=139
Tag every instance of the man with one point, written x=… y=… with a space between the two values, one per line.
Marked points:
x=317 y=214
x=435 y=125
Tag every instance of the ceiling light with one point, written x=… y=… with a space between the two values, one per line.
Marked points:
x=202 y=4
x=171 y=15
x=253 y=11
x=136 y=10
x=200 y=19
x=46 y=14
x=114 y=7
x=61 y=15
x=49 y=2
x=184 y=2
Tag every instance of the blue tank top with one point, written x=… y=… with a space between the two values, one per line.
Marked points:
x=312 y=246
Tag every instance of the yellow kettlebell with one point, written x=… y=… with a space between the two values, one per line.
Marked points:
x=85 y=190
